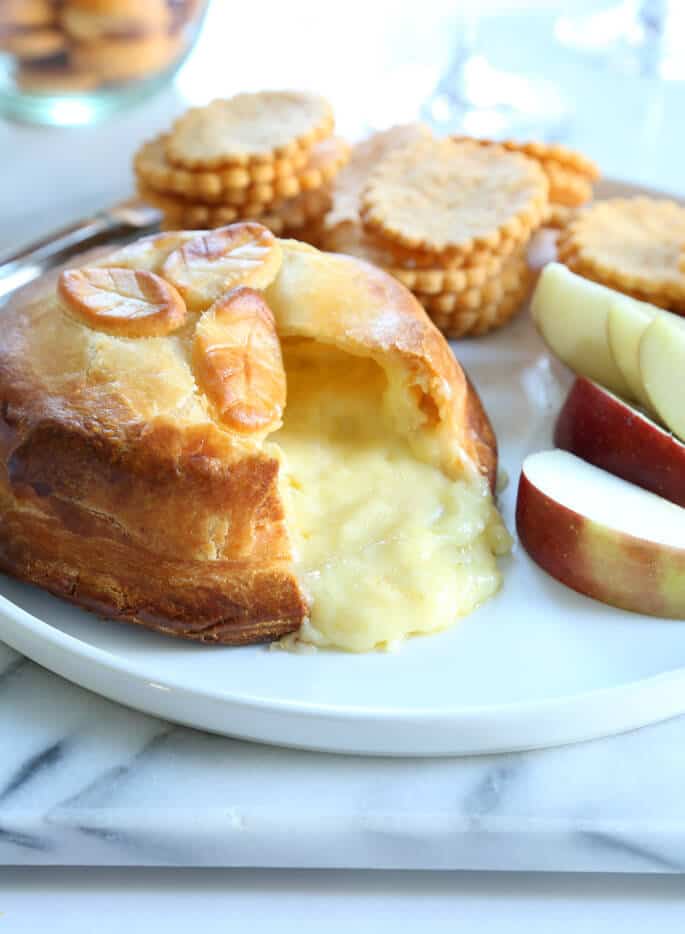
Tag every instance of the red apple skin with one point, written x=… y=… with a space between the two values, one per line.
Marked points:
x=608 y=566
x=607 y=432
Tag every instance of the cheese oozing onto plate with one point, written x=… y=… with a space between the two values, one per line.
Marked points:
x=387 y=545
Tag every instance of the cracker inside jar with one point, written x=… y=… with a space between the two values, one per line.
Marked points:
x=81 y=46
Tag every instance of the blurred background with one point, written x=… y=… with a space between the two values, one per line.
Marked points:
x=605 y=77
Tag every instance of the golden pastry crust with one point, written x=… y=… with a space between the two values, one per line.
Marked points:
x=122 y=491
x=362 y=310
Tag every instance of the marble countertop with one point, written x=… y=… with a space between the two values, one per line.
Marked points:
x=86 y=782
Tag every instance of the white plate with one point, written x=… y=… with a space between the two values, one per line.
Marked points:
x=537 y=666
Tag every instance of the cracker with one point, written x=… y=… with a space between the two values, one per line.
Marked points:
x=475 y=323
x=295 y=213
x=21 y=13
x=364 y=157
x=566 y=187
x=249 y=128
x=352 y=239
x=153 y=169
x=559 y=215
x=32 y=44
x=630 y=244
x=292 y=213
x=117 y=7
x=570 y=159
x=152 y=166
x=90 y=21
x=509 y=278
x=456 y=320
x=325 y=162
x=126 y=58
x=670 y=302
x=53 y=79
x=452 y=198
x=184 y=214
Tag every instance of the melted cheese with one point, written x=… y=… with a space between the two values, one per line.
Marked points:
x=387 y=546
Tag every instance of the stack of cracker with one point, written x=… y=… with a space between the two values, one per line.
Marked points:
x=634 y=245
x=451 y=219
x=269 y=156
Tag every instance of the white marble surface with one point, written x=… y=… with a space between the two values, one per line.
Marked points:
x=83 y=781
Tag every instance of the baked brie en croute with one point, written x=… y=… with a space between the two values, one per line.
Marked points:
x=230 y=438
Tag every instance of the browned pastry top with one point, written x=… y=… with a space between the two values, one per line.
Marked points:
x=125 y=486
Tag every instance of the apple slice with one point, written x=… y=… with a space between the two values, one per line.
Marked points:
x=626 y=323
x=662 y=365
x=606 y=431
x=570 y=313
x=602 y=536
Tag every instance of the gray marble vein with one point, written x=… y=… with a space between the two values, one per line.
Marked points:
x=43 y=759
x=85 y=781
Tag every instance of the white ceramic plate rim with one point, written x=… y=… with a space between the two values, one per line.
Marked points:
x=568 y=719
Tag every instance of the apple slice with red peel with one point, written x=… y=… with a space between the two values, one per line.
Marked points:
x=602 y=536
x=626 y=323
x=606 y=431
x=662 y=365
x=571 y=313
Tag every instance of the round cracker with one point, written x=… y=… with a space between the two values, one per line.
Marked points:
x=17 y=14
x=559 y=215
x=249 y=128
x=364 y=157
x=670 y=303
x=566 y=187
x=291 y=213
x=351 y=237
x=513 y=275
x=126 y=58
x=457 y=321
x=55 y=79
x=630 y=244
x=569 y=159
x=32 y=44
x=451 y=198
x=153 y=169
x=88 y=22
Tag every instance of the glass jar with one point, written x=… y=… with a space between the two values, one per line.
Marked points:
x=71 y=62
